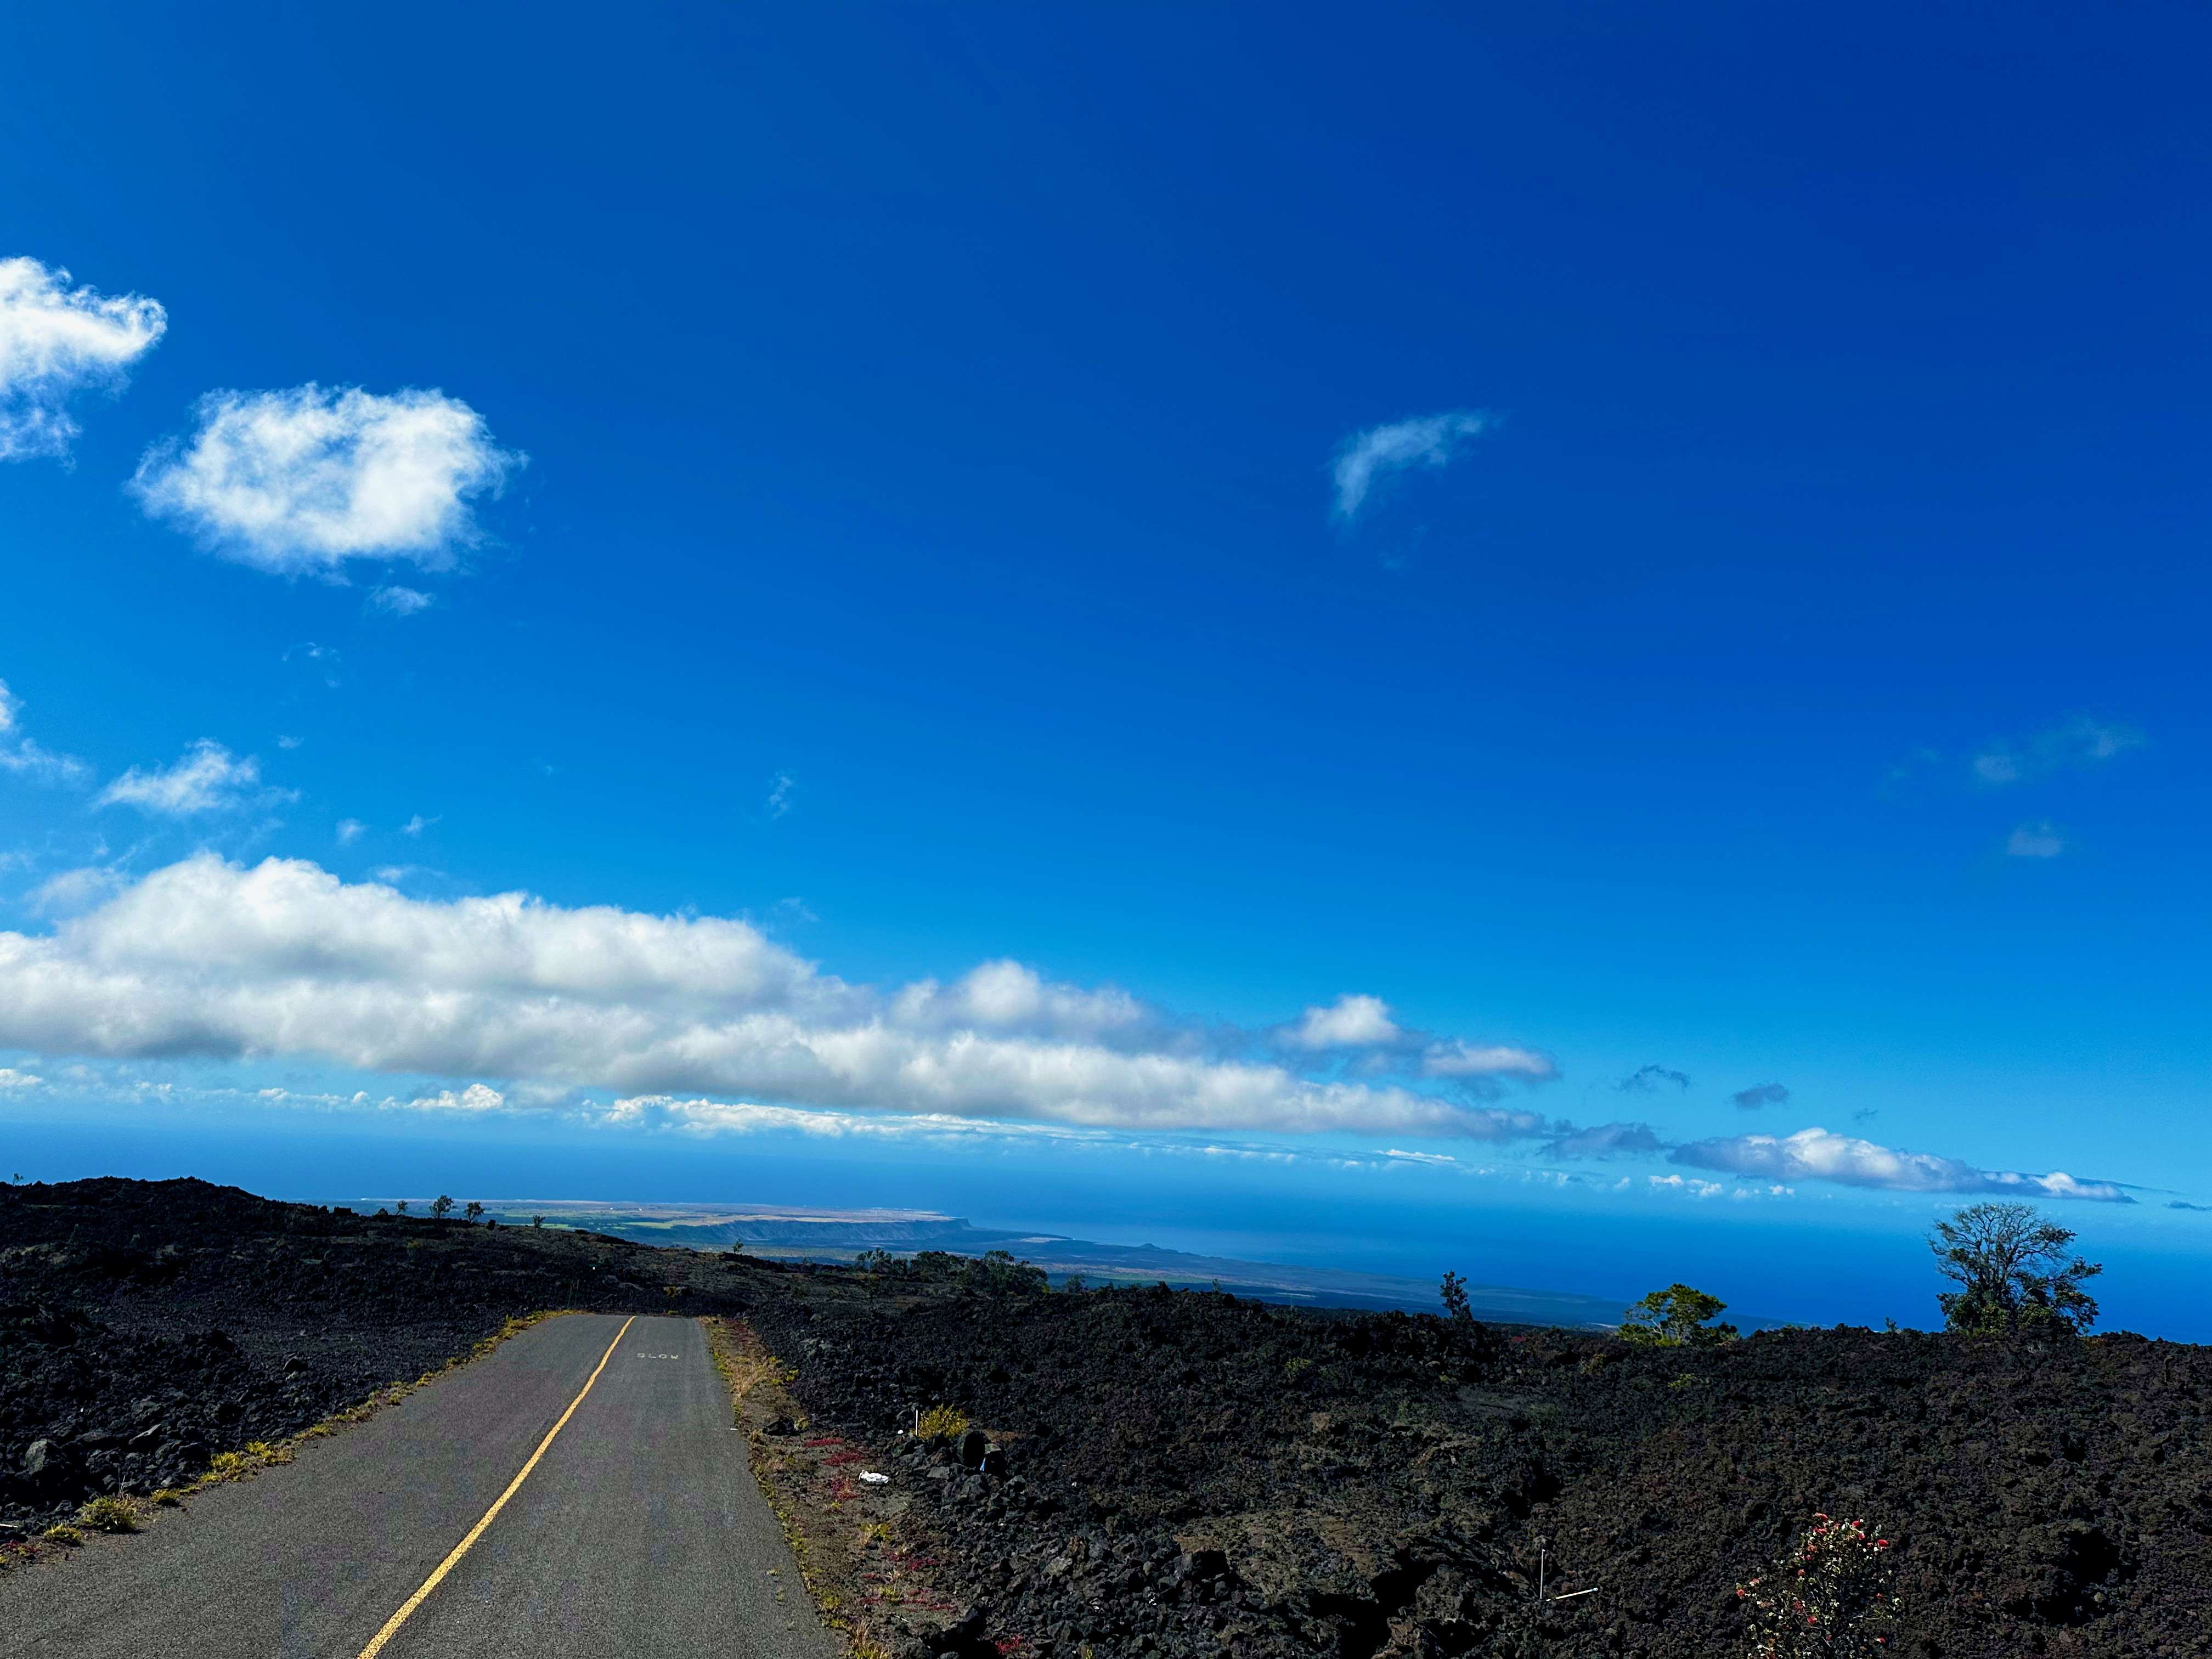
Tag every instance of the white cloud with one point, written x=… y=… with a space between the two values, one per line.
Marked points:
x=299 y=481
x=350 y=831
x=14 y=1081
x=2080 y=741
x=477 y=1097
x=1010 y=996
x=416 y=825
x=1689 y=1184
x=19 y=754
x=1818 y=1154
x=779 y=793
x=205 y=958
x=209 y=779
x=1349 y=1021
x=55 y=341
x=285 y=740
x=401 y=601
x=2034 y=840
x=1361 y=1022
x=1366 y=458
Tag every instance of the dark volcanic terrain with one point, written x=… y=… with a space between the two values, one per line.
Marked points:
x=1184 y=1473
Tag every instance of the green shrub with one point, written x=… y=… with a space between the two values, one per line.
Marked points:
x=1675 y=1318
x=108 y=1515
x=2013 y=1271
x=68 y=1537
x=947 y=1421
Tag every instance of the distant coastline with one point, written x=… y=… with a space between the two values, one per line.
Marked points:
x=786 y=1233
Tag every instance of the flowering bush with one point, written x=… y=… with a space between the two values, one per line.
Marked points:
x=1829 y=1598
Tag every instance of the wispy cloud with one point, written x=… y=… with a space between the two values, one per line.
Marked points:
x=415 y=826
x=2034 y=840
x=1607 y=1140
x=55 y=342
x=300 y=482
x=1649 y=1079
x=25 y=758
x=780 y=790
x=68 y=891
x=1821 y=1155
x=2080 y=741
x=350 y=830
x=396 y=601
x=209 y=779
x=1366 y=459
x=1761 y=1094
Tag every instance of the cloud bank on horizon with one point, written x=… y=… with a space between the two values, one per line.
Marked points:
x=283 y=959
x=206 y=957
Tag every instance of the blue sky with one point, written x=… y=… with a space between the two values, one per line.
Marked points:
x=1470 y=588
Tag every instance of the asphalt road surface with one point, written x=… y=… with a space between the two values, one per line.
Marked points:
x=637 y=1534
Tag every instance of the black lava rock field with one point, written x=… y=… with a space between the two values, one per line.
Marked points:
x=1171 y=1474
x=146 y=1326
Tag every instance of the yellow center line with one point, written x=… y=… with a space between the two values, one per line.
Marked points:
x=391 y=1624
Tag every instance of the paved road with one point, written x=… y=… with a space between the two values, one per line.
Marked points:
x=638 y=1534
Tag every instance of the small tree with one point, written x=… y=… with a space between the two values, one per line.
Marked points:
x=474 y=1210
x=1675 y=1318
x=1829 y=1598
x=442 y=1206
x=402 y=1206
x=538 y=1221
x=1452 y=1292
x=2014 y=1272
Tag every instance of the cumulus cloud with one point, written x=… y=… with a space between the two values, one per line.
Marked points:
x=1010 y=996
x=1819 y=1155
x=55 y=341
x=1367 y=458
x=25 y=758
x=14 y=1081
x=1350 y=1021
x=477 y=1097
x=209 y=779
x=1690 y=1184
x=207 y=958
x=299 y=481
x=1761 y=1094
x=2034 y=840
x=1363 y=1028
x=2080 y=741
x=395 y=601
x=1647 y=1080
